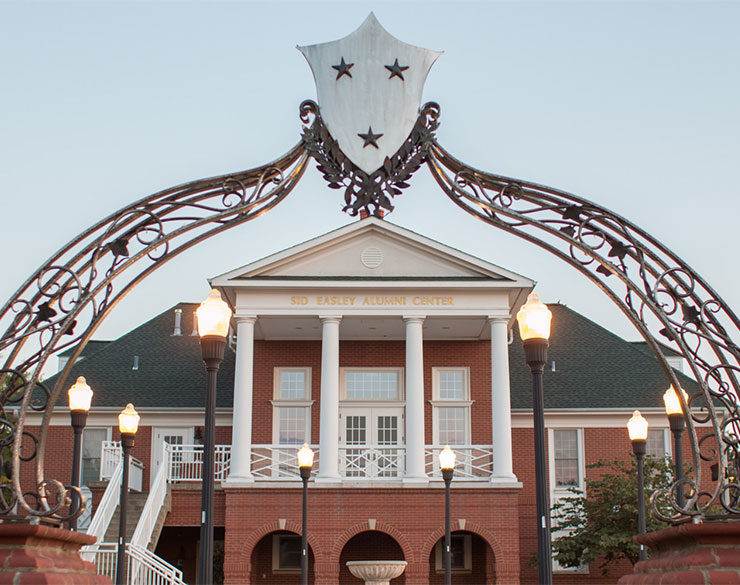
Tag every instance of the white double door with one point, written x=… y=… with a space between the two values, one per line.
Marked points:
x=371 y=442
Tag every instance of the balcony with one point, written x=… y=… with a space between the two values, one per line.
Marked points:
x=358 y=463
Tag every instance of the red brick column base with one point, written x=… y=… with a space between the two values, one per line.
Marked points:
x=34 y=554
x=690 y=554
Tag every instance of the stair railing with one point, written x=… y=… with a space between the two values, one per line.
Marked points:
x=105 y=510
x=157 y=495
x=146 y=568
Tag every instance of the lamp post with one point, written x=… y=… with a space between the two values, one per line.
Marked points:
x=80 y=396
x=305 y=463
x=675 y=420
x=637 y=427
x=447 y=465
x=534 y=328
x=214 y=316
x=128 y=424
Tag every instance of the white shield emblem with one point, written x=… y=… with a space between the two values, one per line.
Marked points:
x=369 y=87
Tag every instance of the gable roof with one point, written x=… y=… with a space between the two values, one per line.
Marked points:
x=169 y=370
x=594 y=369
x=336 y=255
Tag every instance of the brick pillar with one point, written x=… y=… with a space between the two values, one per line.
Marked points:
x=505 y=574
x=326 y=573
x=35 y=554
x=237 y=573
x=417 y=573
x=690 y=554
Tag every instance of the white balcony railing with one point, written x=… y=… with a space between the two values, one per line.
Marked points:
x=472 y=462
x=279 y=462
x=372 y=462
x=185 y=462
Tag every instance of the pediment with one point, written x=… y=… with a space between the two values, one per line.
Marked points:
x=371 y=249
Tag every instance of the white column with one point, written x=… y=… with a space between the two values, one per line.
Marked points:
x=329 y=419
x=241 y=428
x=415 y=472
x=501 y=399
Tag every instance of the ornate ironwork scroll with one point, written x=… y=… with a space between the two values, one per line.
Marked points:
x=660 y=294
x=371 y=192
x=63 y=303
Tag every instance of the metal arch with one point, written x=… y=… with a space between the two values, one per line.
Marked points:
x=657 y=291
x=78 y=286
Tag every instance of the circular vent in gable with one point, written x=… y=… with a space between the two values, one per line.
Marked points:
x=371 y=257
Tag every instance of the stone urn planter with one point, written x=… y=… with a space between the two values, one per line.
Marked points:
x=376 y=572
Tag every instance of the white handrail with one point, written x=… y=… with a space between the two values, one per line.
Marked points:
x=185 y=462
x=110 y=455
x=104 y=555
x=107 y=506
x=154 y=502
x=144 y=567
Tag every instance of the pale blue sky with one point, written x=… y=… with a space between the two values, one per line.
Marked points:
x=633 y=105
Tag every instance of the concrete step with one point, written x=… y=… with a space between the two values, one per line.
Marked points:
x=136 y=502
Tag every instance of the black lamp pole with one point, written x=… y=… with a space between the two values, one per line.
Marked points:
x=213 y=347
x=447 y=476
x=305 y=474
x=79 y=419
x=639 y=448
x=127 y=442
x=535 y=352
x=677 y=425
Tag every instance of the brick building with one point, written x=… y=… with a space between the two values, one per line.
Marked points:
x=377 y=346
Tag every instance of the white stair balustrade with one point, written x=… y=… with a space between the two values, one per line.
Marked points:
x=143 y=566
x=150 y=514
x=146 y=568
x=105 y=509
x=104 y=556
x=110 y=456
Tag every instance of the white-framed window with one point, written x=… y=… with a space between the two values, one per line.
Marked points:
x=567 y=471
x=461 y=554
x=92 y=442
x=286 y=553
x=291 y=424
x=566 y=458
x=451 y=405
x=371 y=384
x=658 y=443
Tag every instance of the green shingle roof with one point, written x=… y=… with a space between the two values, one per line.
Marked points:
x=594 y=368
x=170 y=370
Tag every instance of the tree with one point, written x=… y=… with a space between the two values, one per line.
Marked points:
x=602 y=522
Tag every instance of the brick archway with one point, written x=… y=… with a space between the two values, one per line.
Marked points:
x=245 y=554
x=361 y=527
x=503 y=572
x=471 y=527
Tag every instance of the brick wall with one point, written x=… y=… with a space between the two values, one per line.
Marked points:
x=412 y=518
